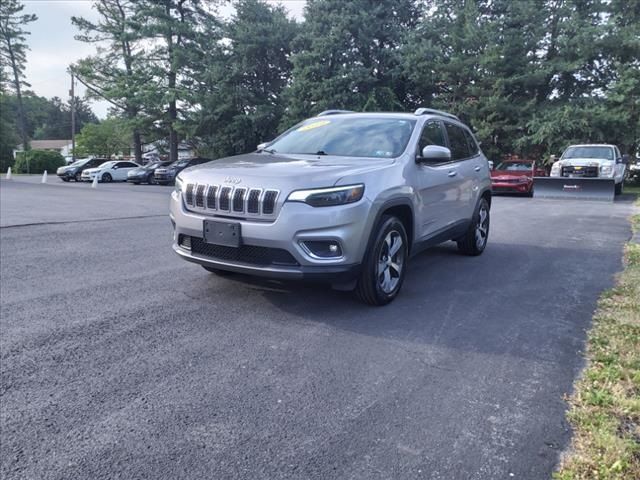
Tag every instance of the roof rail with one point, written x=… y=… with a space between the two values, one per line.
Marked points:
x=424 y=111
x=333 y=112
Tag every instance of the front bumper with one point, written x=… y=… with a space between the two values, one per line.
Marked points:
x=296 y=222
x=67 y=175
x=164 y=177
x=138 y=178
x=509 y=187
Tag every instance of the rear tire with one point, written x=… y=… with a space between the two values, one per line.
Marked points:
x=385 y=263
x=220 y=273
x=619 y=188
x=475 y=240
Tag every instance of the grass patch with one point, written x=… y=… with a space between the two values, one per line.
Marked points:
x=605 y=406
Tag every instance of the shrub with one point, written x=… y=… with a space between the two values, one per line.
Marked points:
x=37 y=161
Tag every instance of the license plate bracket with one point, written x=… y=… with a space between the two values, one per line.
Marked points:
x=227 y=234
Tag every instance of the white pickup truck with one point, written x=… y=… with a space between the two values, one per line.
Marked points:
x=592 y=161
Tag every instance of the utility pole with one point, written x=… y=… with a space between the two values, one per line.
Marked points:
x=73 y=120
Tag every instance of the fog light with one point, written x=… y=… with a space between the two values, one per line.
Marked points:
x=322 y=248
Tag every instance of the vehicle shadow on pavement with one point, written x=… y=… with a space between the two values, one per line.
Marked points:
x=518 y=299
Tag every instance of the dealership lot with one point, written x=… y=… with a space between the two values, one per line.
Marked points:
x=119 y=360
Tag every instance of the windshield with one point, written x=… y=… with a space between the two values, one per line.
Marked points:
x=79 y=163
x=179 y=163
x=347 y=136
x=515 y=166
x=589 y=152
x=106 y=165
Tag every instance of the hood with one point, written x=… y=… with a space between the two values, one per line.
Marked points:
x=584 y=162
x=282 y=172
x=503 y=174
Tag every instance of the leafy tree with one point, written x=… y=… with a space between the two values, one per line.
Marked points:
x=118 y=72
x=13 y=54
x=348 y=56
x=242 y=102
x=38 y=161
x=106 y=139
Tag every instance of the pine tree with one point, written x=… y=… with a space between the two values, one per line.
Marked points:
x=348 y=56
x=242 y=102
x=13 y=53
x=117 y=73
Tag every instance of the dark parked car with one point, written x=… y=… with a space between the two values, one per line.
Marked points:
x=74 y=171
x=167 y=175
x=144 y=174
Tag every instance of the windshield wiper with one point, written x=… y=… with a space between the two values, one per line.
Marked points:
x=321 y=152
x=268 y=150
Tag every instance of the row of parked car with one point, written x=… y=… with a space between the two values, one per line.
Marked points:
x=160 y=172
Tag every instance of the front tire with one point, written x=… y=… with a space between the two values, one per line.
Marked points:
x=106 y=178
x=78 y=177
x=384 y=266
x=619 y=188
x=475 y=240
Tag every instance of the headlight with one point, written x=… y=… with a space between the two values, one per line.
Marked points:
x=606 y=170
x=555 y=168
x=328 y=197
x=524 y=179
x=177 y=186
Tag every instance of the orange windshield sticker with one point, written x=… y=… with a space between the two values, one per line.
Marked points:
x=313 y=125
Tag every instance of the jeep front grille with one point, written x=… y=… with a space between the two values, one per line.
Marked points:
x=219 y=199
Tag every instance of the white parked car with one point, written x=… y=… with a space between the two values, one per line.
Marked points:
x=113 y=171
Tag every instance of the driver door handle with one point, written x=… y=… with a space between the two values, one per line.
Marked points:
x=452 y=173
x=478 y=168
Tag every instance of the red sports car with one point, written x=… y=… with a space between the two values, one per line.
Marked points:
x=515 y=176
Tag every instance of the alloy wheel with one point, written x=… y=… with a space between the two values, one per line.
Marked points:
x=390 y=262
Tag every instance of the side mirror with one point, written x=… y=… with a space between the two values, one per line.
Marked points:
x=262 y=145
x=434 y=154
x=490 y=164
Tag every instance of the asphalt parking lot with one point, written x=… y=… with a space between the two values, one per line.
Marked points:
x=119 y=360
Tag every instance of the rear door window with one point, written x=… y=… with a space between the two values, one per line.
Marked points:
x=457 y=142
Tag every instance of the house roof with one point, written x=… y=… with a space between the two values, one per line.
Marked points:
x=47 y=144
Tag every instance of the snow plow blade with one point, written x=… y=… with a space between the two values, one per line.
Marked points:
x=602 y=189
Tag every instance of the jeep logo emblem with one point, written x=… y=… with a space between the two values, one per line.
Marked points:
x=233 y=180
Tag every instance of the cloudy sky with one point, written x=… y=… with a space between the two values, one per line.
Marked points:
x=53 y=48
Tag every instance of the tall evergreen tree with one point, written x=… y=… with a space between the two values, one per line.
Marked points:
x=117 y=72
x=181 y=33
x=348 y=56
x=13 y=53
x=242 y=102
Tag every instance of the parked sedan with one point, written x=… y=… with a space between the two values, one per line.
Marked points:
x=144 y=174
x=74 y=171
x=167 y=175
x=515 y=176
x=113 y=171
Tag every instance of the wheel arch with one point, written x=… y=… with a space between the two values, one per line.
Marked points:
x=401 y=208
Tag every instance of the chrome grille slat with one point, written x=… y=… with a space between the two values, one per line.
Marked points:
x=189 y=194
x=200 y=196
x=238 y=199
x=225 y=199
x=212 y=197
x=253 y=201
x=269 y=201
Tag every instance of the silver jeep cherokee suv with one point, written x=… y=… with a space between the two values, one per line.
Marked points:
x=345 y=198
